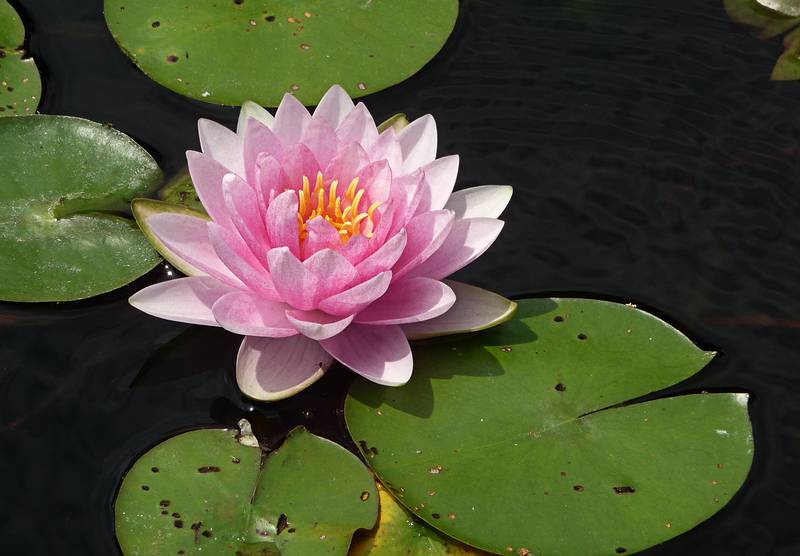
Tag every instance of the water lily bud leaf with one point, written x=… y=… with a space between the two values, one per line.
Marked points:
x=145 y=208
x=206 y=492
x=785 y=7
x=65 y=186
x=505 y=436
x=397 y=122
x=20 y=83
x=231 y=51
x=399 y=533
x=180 y=191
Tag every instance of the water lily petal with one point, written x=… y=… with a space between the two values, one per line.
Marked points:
x=294 y=282
x=410 y=300
x=243 y=207
x=466 y=242
x=271 y=369
x=376 y=179
x=187 y=237
x=282 y=224
x=298 y=161
x=186 y=300
x=316 y=324
x=387 y=148
x=247 y=314
x=358 y=127
x=345 y=165
x=270 y=180
x=384 y=257
x=378 y=353
x=221 y=144
x=258 y=139
x=320 y=137
x=356 y=249
x=207 y=175
x=252 y=110
x=334 y=106
x=487 y=201
x=291 y=119
x=426 y=234
x=358 y=297
x=440 y=176
x=333 y=271
x=475 y=309
x=321 y=235
x=233 y=251
x=418 y=142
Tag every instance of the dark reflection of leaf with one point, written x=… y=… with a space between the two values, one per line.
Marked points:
x=199 y=349
x=772 y=18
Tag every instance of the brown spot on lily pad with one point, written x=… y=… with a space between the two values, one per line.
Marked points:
x=209 y=469
x=624 y=489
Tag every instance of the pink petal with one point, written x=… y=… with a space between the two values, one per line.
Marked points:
x=298 y=161
x=207 y=175
x=466 y=242
x=356 y=249
x=440 y=176
x=358 y=127
x=334 y=273
x=243 y=207
x=334 y=106
x=410 y=300
x=426 y=233
x=320 y=137
x=376 y=178
x=387 y=148
x=182 y=300
x=358 y=297
x=232 y=250
x=378 y=353
x=383 y=258
x=249 y=315
x=405 y=195
x=321 y=235
x=258 y=140
x=294 y=282
x=221 y=144
x=187 y=237
x=270 y=180
x=418 y=142
x=483 y=201
x=271 y=369
x=345 y=166
x=316 y=324
x=475 y=309
x=252 y=110
x=282 y=224
x=384 y=223
x=291 y=120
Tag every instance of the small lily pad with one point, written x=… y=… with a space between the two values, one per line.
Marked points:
x=400 y=533
x=65 y=186
x=525 y=439
x=230 y=51
x=180 y=191
x=20 y=83
x=206 y=492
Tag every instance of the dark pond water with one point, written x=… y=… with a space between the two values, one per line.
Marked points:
x=653 y=162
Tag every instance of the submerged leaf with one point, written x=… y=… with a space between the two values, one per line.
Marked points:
x=501 y=438
x=205 y=50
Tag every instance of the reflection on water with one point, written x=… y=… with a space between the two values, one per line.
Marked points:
x=653 y=161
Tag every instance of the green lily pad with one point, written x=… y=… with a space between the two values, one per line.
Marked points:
x=144 y=208
x=20 y=83
x=524 y=439
x=230 y=51
x=400 y=533
x=205 y=492
x=65 y=185
x=180 y=191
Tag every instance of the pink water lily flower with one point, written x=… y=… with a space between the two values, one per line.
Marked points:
x=327 y=240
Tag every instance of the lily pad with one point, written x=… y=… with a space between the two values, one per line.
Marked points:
x=525 y=439
x=399 y=533
x=205 y=491
x=65 y=185
x=20 y=83
x=230 y=51
x=180 y=191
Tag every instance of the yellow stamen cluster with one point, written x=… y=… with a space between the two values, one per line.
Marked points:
x=342 y=211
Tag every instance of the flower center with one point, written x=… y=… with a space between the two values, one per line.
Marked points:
x=342 y=211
